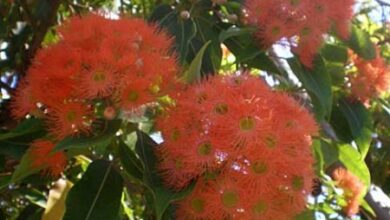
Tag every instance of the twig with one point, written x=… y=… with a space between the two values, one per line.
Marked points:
x=30 y=17
x=382 y=213
x=381 y=2
x=39 y=35
x=5 y=86
x=121 y=7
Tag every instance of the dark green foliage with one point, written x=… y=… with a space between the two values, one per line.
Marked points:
x=97 y=195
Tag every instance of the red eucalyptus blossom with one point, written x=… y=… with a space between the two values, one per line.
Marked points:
x=254 y=141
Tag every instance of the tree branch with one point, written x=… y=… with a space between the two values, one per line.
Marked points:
x=30 y=17
x=382 y=213
x=383 y=3
x=39 y=34
x=5 y=86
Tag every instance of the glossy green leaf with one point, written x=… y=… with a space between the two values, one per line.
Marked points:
x=191 y=34
x=318 y=84
x=164 y=197
x=325 y=153
x=18 y=140
x=336 y=71
x=361 y=43
x=129 y=160
x=25 y=168
x=97 y=196
x=35 y=196
x=194 y=71
x=360 y=124
x=4 y=181
x=351 y=158
x=235 y=31
x=247 y=51
x=367 y=207
x=340 y=125
x=206 y=30
x=27 y=126
x=103 y=138
x=183 y=30
x=385 y=105
x=335 y=53
x=13 y=149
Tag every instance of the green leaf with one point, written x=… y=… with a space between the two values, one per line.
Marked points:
x=103 y=138
x=337 y=73
x=194 y=71
x=246 y=50
x=13 y=149
x=191 y=34
x=18 y=140
x=234 y=31
x=367 y=207
x=306 y=215
x=35 y=196
x=318 y=84
x=385 y=105
x=361 y=43
x=25 y=168
x=4 y=181
x=325 y=153
x=160 y=13
x=360 y=124
x=351 y=158
x=27 y=126
x=164 y=197
x=335 y=53
x=340 y=125
x=129 y=160
x=206 y=30
x=161 y=196
x=97 y=196
x=145 y=147
x=183 y=30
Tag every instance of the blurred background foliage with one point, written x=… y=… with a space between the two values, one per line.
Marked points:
x=353 y=135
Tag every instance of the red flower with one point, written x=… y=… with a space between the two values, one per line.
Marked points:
x=125 y=61
x=342 y=13
x=53 y=163
x=227 y=198
x=135 y=93
x=99 y=77
x=23 y=101
x=290 y=18
x=175 y=170
x=256 y=141
x=91 y=30
x=69 y=118
x=372 y=78
x=52 y=75
x=197 y=205
x=353 y=189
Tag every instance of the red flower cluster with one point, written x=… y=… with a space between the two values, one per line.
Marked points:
x=124 y=62
x=247 y=146
x=52 y=163
x=308 y=20
x=372 y=78
x=353 y=189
